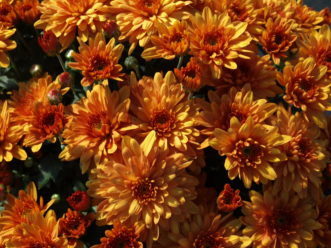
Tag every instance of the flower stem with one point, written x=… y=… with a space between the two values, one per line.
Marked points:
x=180 y=62
x=61 y=61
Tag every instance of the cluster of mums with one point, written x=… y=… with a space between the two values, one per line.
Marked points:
x=267 y=65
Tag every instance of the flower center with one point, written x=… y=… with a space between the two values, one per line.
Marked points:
x=98 y=125
x=176 y=37
x=248 y=153
x=121 y=238
x=151 y=7
x=48 y=119
x=209 y=240
x=162 y=122
x=278 y=38
x=5 y=10
x=39 y=245
x=144 y=190
x=214 y=41
x=283 y=222
x=98 y=63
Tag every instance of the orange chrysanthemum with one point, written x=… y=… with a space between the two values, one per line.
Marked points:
x=192 y=76
x=96 y=125
x=138 y=19
x=38 y=231
x=326 y=14
x=305 y=154
x=216 y=41
x=277 y=38
x=120 y=236
x=6 y=44
x=249 y=149
x=73 y=225
x=9 y=136
x=258 y=72
x=205 y=229
x=27 y=10
x=16 y=210
x=229 y=199
x=279 y=220
x=317 y=45
x=144 y=187
x=323 y=234
x=66 y=17
x=171 y=41
x=307 y=88
x=98 y=60
x=7 y=13
x=161 y=104
x=220 y=110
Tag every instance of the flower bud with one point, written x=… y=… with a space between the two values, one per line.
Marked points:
x=49 y=43
x=69 y=53
x=56 y=198
x=36 y=70
x=79 y=201
x=131 y=63
x=65 y=79
x=54 y=96
x=109 y=28
x=6 y=175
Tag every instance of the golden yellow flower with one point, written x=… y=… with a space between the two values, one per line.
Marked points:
x=38 y=231
x=171 y=41
x=279 y=220
x=258 y=72
x=218 y=112
x=98 y=60
x=216 y=41
x=6 y=44
x=16 y=211
x=66 y=17
x=277 y=38
x=250 y=148
x=305 y=154
x=145 y=186
x=96 y=125
x=205 y=229
x=27 y=10
x=9 y=136
x=307 y=88
x=317 y=44
x=161 y=104
x=138 y=19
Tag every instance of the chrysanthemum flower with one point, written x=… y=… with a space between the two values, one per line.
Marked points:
x=98 y=60
x=16 y=210
x=277 y=38
x=38 y=231
x=161 y=104
x=229 y=199
x=323 y=235
x=317 y=44
x=279 y=220
x=96 y=125
x=120 y=236
x=66 y=17
x=220 y=110
x=205 y=229
x=49 y=43
x=216 y=41
x=258 y=72
x=138 y=19
x=79 y=200
x=171 y=41
x=326 y=14
x=7 y=13
x=9 y=137
x=305 y=154
x=307 y=88
x=27 y=10
x=145 y=186
x=249 y=149
x=73 y=225
x=6 y=45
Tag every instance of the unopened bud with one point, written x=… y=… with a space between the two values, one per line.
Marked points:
x=54 y=96
x=28 y=162
x=131 y=63
x=36 y=70
x=65 y=79
x=49 y=43
x=56 y=198
x=68 y=54
x=109 y=28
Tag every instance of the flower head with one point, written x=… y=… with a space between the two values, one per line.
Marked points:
x=6 y=44
x=10 y=136
x=27 y=10
x=229 y=199
x=216 y=41
x=307 y=88
x=98 y=60
x=7 y=13
x=279 y=220
x=138 y=19
x=67 y=17
x=96 y=125
x=49 y=43
x=249 y=149
x=145 y=186
x=79 y=201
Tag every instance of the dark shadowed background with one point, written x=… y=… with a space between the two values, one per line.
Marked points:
x=318 y=4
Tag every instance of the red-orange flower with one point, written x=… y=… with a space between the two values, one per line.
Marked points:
x=229 y=199
x=79 y=201
x=27 y=10
x=49 y=43
x=7 y=13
